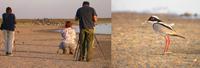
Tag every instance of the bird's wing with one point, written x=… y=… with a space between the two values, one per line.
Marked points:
x=163 y=28
x=167 y=25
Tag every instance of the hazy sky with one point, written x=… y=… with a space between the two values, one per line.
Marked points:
x=162 y=6
x=53 y=8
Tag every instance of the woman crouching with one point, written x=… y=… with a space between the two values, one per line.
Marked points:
x=68 y=43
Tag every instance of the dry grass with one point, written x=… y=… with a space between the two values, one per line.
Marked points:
x=137 y=46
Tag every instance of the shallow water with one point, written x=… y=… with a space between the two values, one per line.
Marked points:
x=99 y=29
x=191 y=17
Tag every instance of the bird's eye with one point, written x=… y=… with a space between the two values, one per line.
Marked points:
x=152 y=19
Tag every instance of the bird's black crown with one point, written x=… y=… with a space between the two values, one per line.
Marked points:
x=153 y=18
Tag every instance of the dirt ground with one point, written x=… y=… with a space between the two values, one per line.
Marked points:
x=135 y=45
x=36 y=48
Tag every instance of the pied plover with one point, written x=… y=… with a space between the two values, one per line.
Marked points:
x=165 y=30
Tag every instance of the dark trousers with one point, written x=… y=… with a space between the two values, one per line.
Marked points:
x=86 y=44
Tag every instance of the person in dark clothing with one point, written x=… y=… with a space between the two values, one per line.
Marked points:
x=8 y=28
x=87 y=18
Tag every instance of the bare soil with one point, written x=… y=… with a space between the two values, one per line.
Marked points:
x=36 y=48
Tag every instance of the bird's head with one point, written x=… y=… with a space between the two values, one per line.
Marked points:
x=153 y=19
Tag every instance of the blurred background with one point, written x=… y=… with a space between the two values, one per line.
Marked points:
x=176 y=7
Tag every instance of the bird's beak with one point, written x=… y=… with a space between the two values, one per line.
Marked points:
x=150 y=22
x=147 y=21
x=144 y=22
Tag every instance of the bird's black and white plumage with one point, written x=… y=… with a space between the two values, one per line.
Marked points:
x=166 y=30
x=162 y=28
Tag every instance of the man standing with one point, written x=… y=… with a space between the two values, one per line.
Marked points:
x=8 y=28
x=87 y=18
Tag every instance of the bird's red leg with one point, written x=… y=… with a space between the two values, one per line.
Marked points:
x=168 y=42
x=167 y=38
x=165 y=45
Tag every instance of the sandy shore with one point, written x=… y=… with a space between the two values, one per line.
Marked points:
x=36 y=48
x=135 y=45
